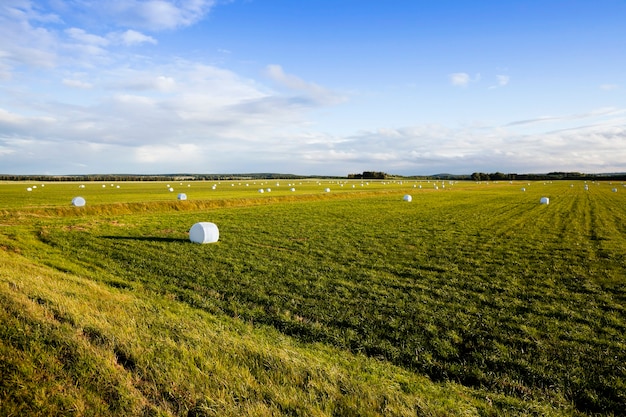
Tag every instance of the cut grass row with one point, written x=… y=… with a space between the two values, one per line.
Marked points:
x=72 y=346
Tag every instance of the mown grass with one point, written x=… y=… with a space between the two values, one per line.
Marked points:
x=471 y=300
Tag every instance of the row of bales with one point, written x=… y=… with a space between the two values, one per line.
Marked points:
x=207 y=232
x=79 y=202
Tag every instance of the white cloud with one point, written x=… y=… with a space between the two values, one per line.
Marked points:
x=276 y=73
x=609 y=87
x=311 y=90
x=173 y=153
x=132 y=38
x=460 y=79
x=22 y=43
x=501 y=81
x=146 y=134
x=463 y=79
x=86 y=38
x=77 y=84
x=152 y=14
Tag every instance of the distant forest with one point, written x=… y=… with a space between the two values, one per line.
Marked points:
x=366 y=175
x=159 y=177
x=497 y=176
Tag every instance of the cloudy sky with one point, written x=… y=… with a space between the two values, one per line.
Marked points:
x=324 y=87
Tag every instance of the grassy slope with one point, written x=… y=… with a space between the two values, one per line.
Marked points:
x=90 y=336
x=71 y=346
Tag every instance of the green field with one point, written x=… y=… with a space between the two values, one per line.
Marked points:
x=473 y=299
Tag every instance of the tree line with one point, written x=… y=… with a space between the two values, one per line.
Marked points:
x=369 y=175
x=499 y=176
x=365 y=175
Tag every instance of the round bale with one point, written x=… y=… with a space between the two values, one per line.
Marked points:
x=204 y=232
x=78 y=201
x=407 y=198
x=544 y=200
x=182 y=196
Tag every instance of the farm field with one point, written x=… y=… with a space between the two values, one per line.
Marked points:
x=472 y=299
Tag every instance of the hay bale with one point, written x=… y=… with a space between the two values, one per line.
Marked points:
x=614 y=190
x=182 y=196
x=523 y=189
x=544 y=200
x=204 y=232
x=407 y=198
x=327 y=190
x=78 y=202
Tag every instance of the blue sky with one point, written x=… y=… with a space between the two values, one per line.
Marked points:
x=314 y=87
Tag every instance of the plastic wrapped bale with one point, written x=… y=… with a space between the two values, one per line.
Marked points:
x=544 y=200
x=523 y=189
x=204 y=232
x=327 y=190
x=407 y=198
x=182 y=196
x=614 y=190
x=78 y=201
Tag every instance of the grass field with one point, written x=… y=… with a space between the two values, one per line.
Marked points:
x=473 y=299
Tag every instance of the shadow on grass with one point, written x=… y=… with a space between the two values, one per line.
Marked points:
x=148 y=238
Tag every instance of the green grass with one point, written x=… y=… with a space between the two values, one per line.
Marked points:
x=473 y=299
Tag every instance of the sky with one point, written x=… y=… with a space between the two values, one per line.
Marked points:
x=312 y=87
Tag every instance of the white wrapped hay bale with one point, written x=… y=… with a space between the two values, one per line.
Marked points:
x=78 y=202
x=614 y=190
x=407 y=198
x=204 y=232
x=182 y=196
x=544 y=200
